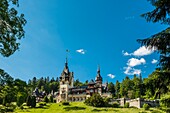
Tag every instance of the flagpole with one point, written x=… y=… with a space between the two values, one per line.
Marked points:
x=67 y=51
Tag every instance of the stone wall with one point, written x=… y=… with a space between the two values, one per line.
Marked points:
x=134 y=102
x=138 y=102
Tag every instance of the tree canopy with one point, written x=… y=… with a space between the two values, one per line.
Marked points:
x=11 y=27
x=161 y=40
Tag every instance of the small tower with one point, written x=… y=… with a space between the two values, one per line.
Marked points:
x=66 y=82
x=99 y=81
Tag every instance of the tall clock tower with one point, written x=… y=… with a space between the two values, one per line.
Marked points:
x=66 y=82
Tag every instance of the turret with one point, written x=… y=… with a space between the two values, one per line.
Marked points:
x=98 y=76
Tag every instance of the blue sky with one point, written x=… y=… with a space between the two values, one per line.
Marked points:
x=97 y=32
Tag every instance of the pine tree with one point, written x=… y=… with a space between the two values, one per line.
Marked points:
x=33 y=101
x=28 y=102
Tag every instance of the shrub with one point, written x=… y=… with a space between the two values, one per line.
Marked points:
x=165 y=100
x=65 y=103
x=106 y=102
x=146 y=106
x=20 y=100
x=4 y=101
x=95 y=100
x=54 y=100
x=126 y=105
x=46 y=99
x=24 y=104
x=42 y=104
x=21 y=107
x=28 y=101
x=115 y=105
x=51 y=99
x=33 y=101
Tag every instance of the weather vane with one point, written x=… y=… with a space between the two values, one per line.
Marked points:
x=67 y=51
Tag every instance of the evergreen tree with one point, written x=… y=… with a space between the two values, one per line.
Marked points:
x=111 y=88
x=51 y=99
x=33 y=101
x=117 y=88
x=46 y=99
x=161 y=40
x=11 y=27
x=28 y=101
x=20 y=99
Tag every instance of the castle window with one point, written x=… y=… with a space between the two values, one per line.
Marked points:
x=91 y=90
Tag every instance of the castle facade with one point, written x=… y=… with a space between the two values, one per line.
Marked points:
x=67 y=91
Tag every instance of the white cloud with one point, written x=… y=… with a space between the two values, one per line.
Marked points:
x=131 y=71
x=134 y=62
x=81 y=51
x=142 y=51
x=111 y=76
x=126 y=53
x=154 y=61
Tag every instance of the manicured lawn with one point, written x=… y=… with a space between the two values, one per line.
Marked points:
x=79 y=107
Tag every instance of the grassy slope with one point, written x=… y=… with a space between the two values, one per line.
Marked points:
x=78 y=107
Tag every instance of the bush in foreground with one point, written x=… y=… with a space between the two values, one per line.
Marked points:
x=126 y=105
x=51 y=99
x=42 y=104
x=146 y=106
x=28 y=101
x=95 y=100
x=20 y=99
x=33 y=102
x=165 y=100
x=115 y=105
x=46 y=99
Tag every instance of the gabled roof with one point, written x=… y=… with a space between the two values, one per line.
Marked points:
x=91 y=82
x=98 y=76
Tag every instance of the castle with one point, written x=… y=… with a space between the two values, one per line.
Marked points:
x=67 y=91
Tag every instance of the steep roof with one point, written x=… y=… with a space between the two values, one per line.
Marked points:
x=98 y=76
x=91 y=82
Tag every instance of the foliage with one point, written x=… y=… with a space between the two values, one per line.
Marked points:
x=107 y=102
x=28 y=101
x=165 y=100
x=11 y=27
x=20 y=99
x=95 y=100
x=46 y=99
x=157 y=84
x=33 y=102
x=80 y=107
x=159 y=41
x=78 y=83
x=7 y=94
x=126 y=105
x=146 y=106
x=44 y=84
x=117 y=88
x=42 y=104
x=51 y=99
x=111 y=88
x=116 y=105
x=8 y=108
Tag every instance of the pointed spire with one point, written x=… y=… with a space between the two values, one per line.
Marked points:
x=98 y=76
x=66 y=63
x=98 y=70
